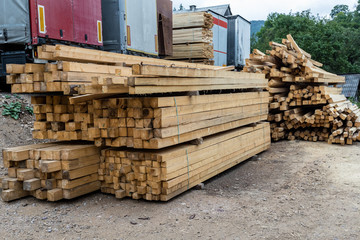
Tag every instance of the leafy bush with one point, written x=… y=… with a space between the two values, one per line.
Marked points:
x=12 y=109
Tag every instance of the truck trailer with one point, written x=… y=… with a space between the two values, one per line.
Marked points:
x=130 y=26
x=25 y=24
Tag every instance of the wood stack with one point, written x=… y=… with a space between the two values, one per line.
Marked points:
x=148 y=111
x=193 y=19
x=57 y=119
x=305 y=102
x=51 y=171
x=150 y=122
x=82 y=77
x=164 y=174
x=193 y=37
x=154 y=123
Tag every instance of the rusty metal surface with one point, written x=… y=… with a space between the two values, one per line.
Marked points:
x=164 y=8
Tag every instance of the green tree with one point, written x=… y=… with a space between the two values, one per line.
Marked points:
x=334 y=42
x=339 y=9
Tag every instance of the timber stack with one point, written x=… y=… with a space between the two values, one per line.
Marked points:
x=158 y=127
x=51 y=171
x=193 y=37
x=305 y=100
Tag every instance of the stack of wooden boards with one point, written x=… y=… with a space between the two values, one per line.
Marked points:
x=146 y=122
x=164 y=174
x=151 y=113
x=51 y=171
x=305 y=102
x=193 y=37
x=75 y=73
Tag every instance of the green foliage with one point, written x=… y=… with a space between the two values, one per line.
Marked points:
x=12 y=109
x=334 y=42
x=355 y=100
x=30 y=110
x=256 y=26
x=339 y=9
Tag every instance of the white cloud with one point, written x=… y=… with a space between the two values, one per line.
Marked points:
x=260 y=9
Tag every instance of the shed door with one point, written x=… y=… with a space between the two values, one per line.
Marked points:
x=87 y=21
x=14 y=21
x=55 y=19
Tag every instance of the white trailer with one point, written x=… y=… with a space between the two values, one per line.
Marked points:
x=130 y=26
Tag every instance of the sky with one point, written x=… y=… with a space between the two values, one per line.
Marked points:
x=260 y=9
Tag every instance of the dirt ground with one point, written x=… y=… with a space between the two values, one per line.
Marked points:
x=295 y=190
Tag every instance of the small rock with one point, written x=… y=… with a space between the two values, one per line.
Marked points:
x=200 y=186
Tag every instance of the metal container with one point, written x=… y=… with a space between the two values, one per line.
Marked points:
x=238 y=41
x=165 y=24
x=220 y=35
x=14 y=22
x=130 y=26
x=87 y=22
x=27 y=23
x=76 y=21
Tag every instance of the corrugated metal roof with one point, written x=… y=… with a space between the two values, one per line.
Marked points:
x=224 y=10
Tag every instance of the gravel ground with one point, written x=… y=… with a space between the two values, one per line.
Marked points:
x=296 y=190
x=15 y=132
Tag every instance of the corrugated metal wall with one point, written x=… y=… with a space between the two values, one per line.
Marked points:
x=351 y=87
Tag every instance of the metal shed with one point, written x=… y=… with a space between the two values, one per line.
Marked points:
x=239 y=30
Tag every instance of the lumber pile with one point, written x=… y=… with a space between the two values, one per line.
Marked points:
x=146 y=122
x=193 y=20
x=51 y=171
x=305 y=101
x=164 y=174
x=144 y=115
x=76 y=74
x=57 y=119
x=193 y=37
